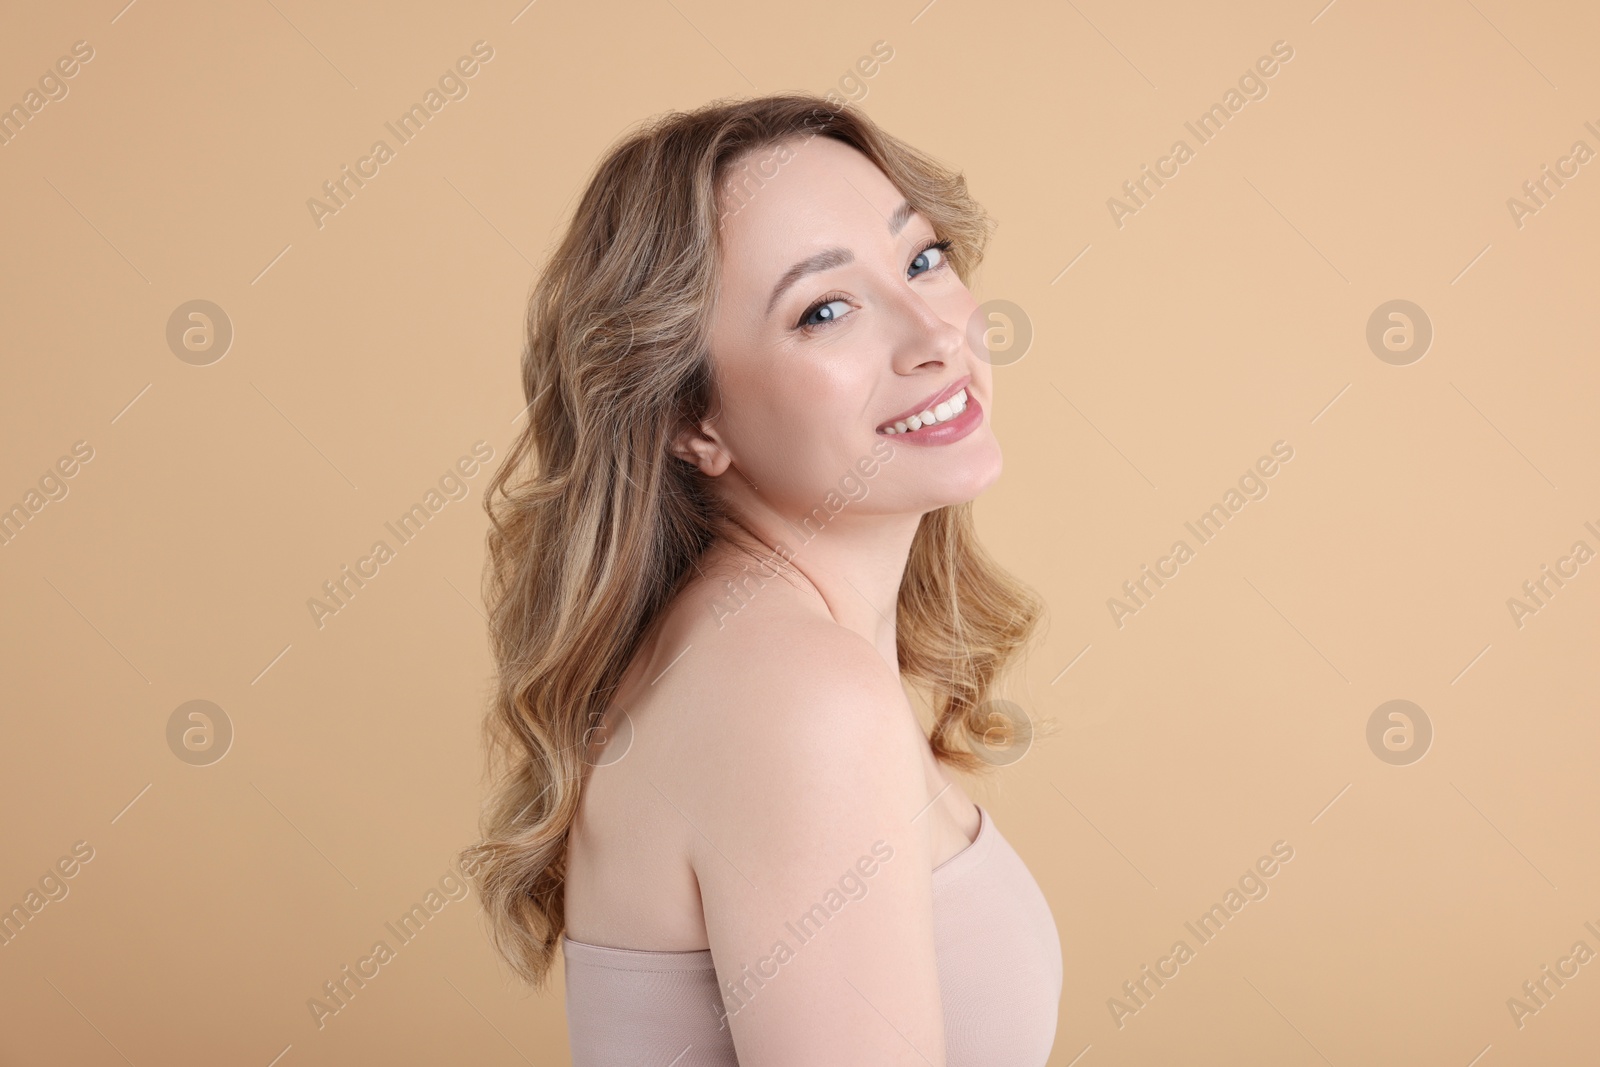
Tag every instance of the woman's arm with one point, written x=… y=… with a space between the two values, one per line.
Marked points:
x=814 y=858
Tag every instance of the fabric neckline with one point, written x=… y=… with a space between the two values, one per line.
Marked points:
x=660 y=960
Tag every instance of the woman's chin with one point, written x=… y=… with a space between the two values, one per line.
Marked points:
x=967 y=475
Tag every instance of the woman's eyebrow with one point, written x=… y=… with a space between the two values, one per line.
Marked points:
x=829 y=258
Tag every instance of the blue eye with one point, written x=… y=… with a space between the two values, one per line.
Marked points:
x=940 y=247
x=825 y=311
x=821 y=314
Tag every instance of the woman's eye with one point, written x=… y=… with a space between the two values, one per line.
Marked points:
x=825 y=313
x=929 y=257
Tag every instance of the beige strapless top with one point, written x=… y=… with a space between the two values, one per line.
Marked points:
x=999 y=959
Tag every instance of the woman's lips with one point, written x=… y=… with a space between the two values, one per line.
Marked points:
x=943 y=433
x=937 y=398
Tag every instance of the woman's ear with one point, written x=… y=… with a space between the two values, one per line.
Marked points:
x=700 y=447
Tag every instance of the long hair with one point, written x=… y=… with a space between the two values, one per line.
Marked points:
x=597 y=525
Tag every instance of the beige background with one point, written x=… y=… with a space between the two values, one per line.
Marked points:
x=1228 y=313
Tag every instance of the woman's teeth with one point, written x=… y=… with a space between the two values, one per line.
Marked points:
x=943 y=411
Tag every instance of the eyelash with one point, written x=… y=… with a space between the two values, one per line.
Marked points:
x=812 y=327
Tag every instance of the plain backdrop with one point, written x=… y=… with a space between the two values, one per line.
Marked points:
x=1174 y=342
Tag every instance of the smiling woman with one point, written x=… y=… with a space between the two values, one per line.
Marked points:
x=676 y=791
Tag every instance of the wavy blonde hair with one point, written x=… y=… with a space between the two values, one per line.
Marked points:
x=598 y=525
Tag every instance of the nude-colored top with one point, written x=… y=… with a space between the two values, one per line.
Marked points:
x=999 y=959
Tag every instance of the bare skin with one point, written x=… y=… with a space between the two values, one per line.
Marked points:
x=750 y=759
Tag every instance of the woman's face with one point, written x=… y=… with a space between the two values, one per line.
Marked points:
x=835 y=317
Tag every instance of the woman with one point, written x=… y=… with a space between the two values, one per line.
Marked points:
x=723 y=538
